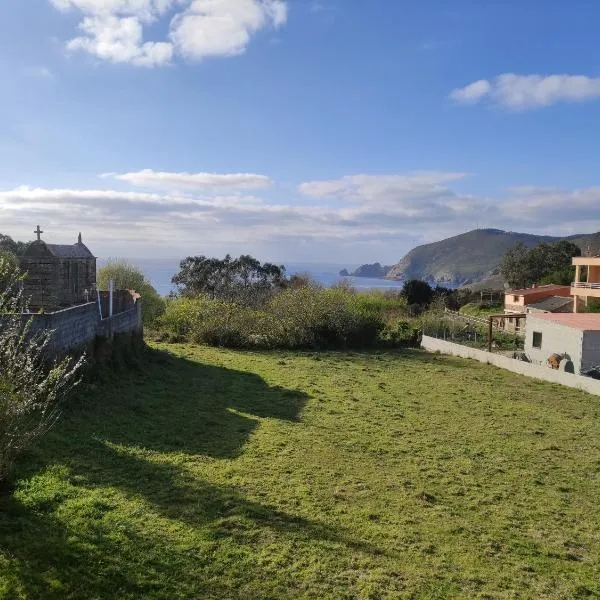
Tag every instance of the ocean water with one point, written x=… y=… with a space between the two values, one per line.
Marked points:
x=160 y=271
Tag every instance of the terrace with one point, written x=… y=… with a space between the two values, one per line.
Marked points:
x=589 y=268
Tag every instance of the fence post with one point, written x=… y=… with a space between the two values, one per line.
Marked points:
x=111 y=287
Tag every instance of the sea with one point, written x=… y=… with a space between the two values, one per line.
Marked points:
x=160 y=271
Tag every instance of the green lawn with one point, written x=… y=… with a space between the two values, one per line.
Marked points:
x=223 y=474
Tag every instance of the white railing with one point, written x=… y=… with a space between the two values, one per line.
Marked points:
x=586 y=286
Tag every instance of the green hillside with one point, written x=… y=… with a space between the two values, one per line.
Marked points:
x=473 y=256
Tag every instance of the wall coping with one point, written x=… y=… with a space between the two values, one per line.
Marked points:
x=510 y=364
x=58 y=312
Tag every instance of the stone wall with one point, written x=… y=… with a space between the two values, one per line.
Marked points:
x=55 y=282
x=516 y=366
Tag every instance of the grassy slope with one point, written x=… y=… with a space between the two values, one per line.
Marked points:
x=222 y=474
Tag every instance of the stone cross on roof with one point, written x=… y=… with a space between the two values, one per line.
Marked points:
x=38 y=232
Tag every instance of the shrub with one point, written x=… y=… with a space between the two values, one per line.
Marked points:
x=324 y=318
x=218 y=323
x=30 y=388
x=402 y=334
x=129 y=277
x=303 y=317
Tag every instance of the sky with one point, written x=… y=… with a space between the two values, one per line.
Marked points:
x=332 y=131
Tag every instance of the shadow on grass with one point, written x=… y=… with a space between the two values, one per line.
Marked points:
x=178 y=405
x=72 y=539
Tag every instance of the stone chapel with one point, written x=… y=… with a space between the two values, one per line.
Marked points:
x=58 y=275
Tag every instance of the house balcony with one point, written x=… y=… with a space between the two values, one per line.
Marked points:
x=584 y=288
x=588 y=268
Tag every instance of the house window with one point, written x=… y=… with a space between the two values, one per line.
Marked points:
x=516 y=299
x=537 y=339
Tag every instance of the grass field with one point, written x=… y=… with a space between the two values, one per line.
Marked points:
x=224 y=474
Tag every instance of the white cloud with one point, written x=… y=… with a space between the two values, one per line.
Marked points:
x=113 y=30
x=167 y=180
x=378 y=189
x=145 y=10
x=119 y=40
x=223 y=27
x=551 y=206
x=341 y=217
x=519 y=92
x=473 y=92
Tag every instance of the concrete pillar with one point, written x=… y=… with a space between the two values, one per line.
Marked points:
x=577 y=273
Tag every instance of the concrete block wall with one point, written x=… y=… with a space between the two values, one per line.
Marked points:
x=516 y=366
x=556 y=339
x=123 y=300
x=129 y=321
x=78 y=326
x=73 y=327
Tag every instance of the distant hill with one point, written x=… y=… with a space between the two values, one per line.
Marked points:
x=474 y=257
x=375 y=270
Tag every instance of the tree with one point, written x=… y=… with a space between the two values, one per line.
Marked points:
x=31 y=388
x=417 y=292
x=10 y=269
x=515 y=264
x=243 y=280
x=545 y=263
x=7 y=244
x=129 y=277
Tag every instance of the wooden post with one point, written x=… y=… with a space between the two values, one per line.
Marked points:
x=490 y=334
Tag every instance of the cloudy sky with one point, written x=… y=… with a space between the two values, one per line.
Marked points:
x=340 y=131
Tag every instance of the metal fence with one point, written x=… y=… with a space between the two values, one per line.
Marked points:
x=469 y=331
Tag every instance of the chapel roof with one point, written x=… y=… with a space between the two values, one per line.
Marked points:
x=39 y=249
x=69 y=250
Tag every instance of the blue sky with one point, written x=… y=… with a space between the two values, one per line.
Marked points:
x=330 y=131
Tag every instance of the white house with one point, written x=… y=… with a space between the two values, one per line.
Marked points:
x=575 y=335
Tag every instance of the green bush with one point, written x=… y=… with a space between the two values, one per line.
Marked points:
x=129 y=277
x=402 y=334
x=303 y=317
x=592 y=307
x=324 y=318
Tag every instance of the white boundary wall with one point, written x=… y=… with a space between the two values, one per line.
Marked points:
x=516 y=366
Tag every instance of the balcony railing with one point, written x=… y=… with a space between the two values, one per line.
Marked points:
x=586 y=286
